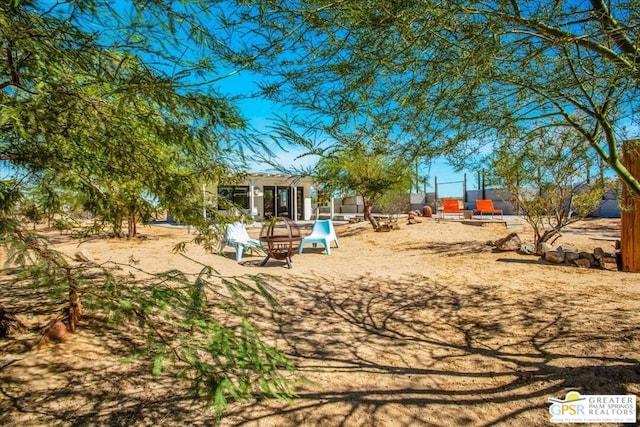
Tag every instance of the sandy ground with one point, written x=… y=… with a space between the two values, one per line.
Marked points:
x=421 y=326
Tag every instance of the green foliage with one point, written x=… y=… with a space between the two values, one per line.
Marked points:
x=199 y=328
x=99 y=123
x=450 y=77
x=202 y=329
x=358 y=166
x=394 y=202
x=546 y=176
x=108 y=112
x=357 y=169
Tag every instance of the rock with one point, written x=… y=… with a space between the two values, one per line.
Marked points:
x=84 y=256
x=384 y=227
x=599 y=253
x=605 y=260
x=586 y=255
x=510 y=243
x=57 y=331
x=592 y=259
x=527 y=249
x=609 y=263
x=54 y=331
x=582 y=262
x=567 y=249
x=556 y=257
x=571 y=255
x=543 y=248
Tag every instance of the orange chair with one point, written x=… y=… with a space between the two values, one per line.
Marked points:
x=451 y=206
x=486 y=207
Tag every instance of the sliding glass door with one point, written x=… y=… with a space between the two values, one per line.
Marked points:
x=278 y=201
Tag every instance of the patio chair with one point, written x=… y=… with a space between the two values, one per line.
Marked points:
x=322 y=232
x=451 y=206
x=486 y=206
x=236 y=235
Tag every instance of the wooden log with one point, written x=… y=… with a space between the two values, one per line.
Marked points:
x=630 y=221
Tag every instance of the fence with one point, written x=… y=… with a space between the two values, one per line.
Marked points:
x=609 y=207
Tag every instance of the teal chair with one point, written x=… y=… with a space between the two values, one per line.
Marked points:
x=236 y=235
x=322 y=232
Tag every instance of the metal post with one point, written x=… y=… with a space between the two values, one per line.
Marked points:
x=294 y=203
x=464 y=188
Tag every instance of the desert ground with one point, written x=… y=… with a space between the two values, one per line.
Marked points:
x=426 y=325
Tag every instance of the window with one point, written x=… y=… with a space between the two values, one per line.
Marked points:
x=237 y=194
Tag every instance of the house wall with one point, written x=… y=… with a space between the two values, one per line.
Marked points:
x=257 y=183
x=609 y=207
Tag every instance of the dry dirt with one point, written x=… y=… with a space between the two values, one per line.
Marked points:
x=421 y=326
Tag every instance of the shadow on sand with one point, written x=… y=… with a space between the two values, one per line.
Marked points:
x=423 y=353
x=368 y=351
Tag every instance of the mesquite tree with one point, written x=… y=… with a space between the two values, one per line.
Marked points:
x=107 y=106
x=359 y=169
x=545 y=174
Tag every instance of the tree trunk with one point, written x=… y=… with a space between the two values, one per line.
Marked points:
x=367 y=214
x=117 y=227
x=630 y=226
x=549 y=236
x=75 y=309
x=131 y=225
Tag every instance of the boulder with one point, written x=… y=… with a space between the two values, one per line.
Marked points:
x=510 y=243
x=600 y=253
x=413 y=220
x=592 y=259
x=527 y=249
x=84 y=256
x=582 y=263
x=56 y=331
x=609 y=263
x=542 y=248
x=570 y=255
x=557 y=257
x=567 y=249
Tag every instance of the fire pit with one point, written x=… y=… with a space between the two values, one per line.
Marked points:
x=281 y=238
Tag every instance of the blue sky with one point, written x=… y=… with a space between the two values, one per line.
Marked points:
x=261 y=113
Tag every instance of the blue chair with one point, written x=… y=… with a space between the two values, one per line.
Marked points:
x=236 y=235
x=322 y=232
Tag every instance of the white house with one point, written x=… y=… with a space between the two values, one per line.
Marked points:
x=267 y=195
